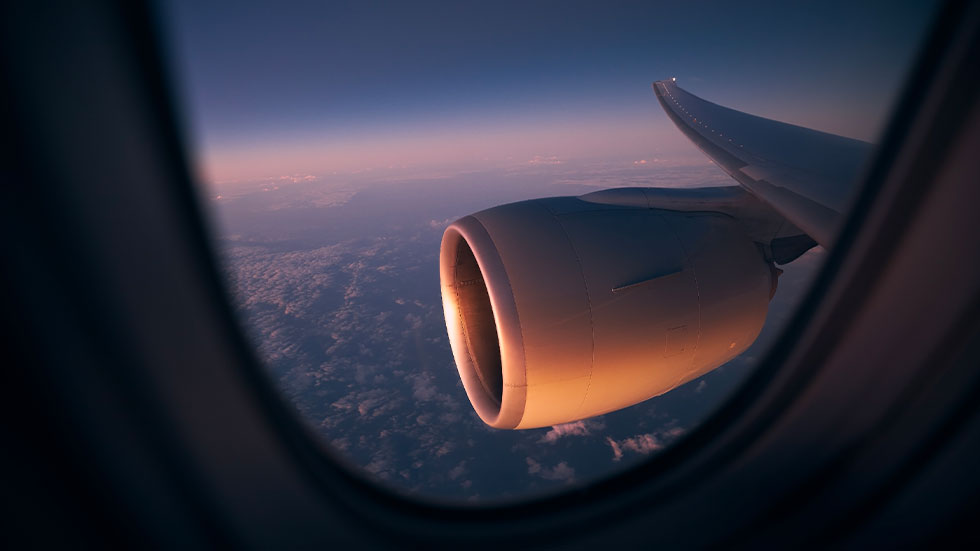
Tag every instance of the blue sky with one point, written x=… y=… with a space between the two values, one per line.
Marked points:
x=273 y=88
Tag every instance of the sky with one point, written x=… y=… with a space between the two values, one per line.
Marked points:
x=270 y=89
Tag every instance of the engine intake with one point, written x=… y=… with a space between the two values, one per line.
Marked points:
x=564 y=308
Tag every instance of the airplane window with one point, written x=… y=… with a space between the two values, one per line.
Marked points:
x=340 y=147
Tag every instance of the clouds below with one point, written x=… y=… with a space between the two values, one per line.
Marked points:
x=561 y=471
x=578 y=428
x=643 y=444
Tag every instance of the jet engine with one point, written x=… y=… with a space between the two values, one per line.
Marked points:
x=564 y=308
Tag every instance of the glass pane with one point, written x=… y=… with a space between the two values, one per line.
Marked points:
x=335 y=142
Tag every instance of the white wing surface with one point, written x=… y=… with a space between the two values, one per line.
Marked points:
x=804 y=174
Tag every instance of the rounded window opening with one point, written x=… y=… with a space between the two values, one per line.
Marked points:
x=329 y=215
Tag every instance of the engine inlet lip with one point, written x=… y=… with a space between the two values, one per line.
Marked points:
x=509 y=410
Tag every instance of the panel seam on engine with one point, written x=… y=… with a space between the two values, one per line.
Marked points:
x=588 y=301
x=697 y=288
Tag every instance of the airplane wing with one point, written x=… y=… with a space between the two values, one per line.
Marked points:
x=804 y=174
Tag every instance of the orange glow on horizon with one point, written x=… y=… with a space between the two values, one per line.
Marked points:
x=473 y=147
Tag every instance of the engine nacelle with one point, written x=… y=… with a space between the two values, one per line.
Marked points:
x=563 y=308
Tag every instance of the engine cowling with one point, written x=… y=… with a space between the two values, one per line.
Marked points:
x=562 y=308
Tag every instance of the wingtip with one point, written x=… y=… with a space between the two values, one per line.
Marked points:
x=672 y=81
